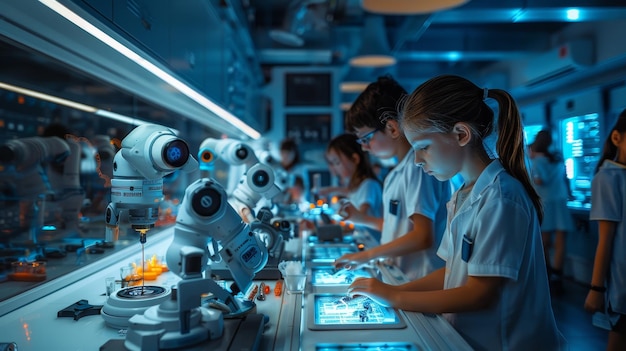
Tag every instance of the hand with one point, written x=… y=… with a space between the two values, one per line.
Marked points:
x=372 y=288
x=594 y=301
x=305 y=224
x=349 y=211
x=351 y=261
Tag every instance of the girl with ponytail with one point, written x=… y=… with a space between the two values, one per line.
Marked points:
x=494 y=287
x=607 y=291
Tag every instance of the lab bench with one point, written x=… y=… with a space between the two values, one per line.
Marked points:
x=33 y=319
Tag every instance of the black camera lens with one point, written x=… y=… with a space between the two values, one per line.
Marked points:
x=260 y=178
x=206 y=202
x=176 y=153
x=241 y=153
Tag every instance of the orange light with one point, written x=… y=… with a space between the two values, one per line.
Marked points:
x=253 y=292
x=334 y=200
x=278 y=289
x=21 y=100
x=266 y=289
x=26 y=331
x=311 y=206
x=207 y=156
x=320 y=203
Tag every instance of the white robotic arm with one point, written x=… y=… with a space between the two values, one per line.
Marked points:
x=257 y=181
x=205 y=218
x=22 y=161
x=149 y=152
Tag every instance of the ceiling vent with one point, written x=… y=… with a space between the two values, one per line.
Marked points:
x=302 y=17
x=559 y=62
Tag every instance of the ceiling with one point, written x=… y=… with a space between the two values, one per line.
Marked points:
x=466 y=40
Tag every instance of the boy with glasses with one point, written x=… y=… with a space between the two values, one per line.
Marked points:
x=414 y=215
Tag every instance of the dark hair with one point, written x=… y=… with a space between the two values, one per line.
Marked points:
x=609 y=151
x=347 y=145
x=542 y=143
x=290 y=145
x=441 y=102
x=380 y=100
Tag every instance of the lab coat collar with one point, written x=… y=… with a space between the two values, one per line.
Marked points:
x=486 y=178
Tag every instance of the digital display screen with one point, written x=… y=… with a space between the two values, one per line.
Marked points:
x=307 y=89
x=328 y=253
x=328 y=276
x=387 y=346
x=581 y=150
x=335 y=311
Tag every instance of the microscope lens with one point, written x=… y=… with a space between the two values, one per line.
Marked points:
x=176 y=153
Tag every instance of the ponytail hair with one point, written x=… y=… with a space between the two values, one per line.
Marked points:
x=510 y=144
x=609 y=151
x=441 y=102
x=347 y=145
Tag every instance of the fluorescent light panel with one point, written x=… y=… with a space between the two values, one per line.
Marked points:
x=166 y=77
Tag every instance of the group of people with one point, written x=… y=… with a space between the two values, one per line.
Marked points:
x=476 y=254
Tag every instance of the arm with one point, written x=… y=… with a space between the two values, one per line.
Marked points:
x=420 y=238
x=357 y=216
x=606 y=232
x=432 y=281
x=336 y=190
x=477 y=293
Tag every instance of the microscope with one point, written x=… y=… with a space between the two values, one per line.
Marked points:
x=257 y=181
x=148 y=153
x=207 y=228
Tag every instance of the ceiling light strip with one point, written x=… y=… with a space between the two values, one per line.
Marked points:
x=166 y=77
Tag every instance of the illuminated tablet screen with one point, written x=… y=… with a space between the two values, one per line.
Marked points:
x=336 y=311
x=329 y=277
x=328 y=253
x=387 y=346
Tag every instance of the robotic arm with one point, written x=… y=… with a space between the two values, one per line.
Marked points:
x=257 y=181
x=148 y=153
x=208 y=224
x=205 y=219
x=22 y=161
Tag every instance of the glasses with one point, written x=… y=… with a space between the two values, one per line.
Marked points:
x=364 y=140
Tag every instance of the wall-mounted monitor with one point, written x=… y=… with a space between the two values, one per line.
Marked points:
x=308 y=89
x=308 y=128
x=582 y=148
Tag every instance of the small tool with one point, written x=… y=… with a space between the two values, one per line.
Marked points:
x=261 y=295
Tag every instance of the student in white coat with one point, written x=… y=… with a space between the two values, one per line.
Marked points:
x=414 y=203
x=607 y=292
x=362 y=188
x=494 y=286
